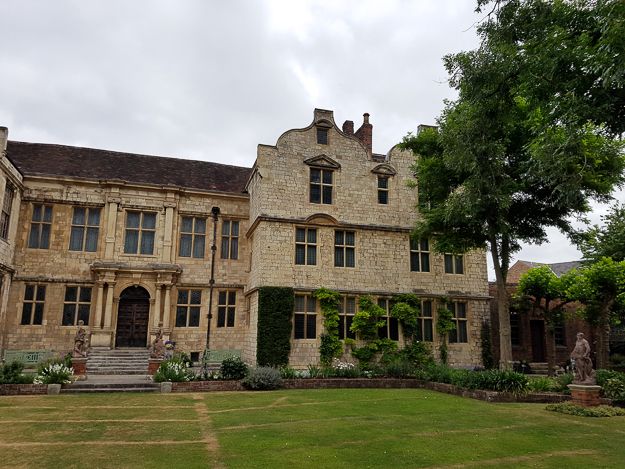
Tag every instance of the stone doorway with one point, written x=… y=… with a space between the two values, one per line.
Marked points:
x=133 y=317
x=537 y=332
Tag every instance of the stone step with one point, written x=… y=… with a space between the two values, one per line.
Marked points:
x=104 y=389
x=113 y=371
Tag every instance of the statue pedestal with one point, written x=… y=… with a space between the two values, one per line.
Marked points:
x=101 y=338
x=585 y=395
x=79 y=366
x=153 y=365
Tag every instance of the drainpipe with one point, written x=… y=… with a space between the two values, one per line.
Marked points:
x=211 y=284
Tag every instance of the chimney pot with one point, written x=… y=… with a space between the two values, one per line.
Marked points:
x=366 y=118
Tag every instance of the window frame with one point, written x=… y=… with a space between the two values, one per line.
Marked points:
x=230 y=241
x=187 y=306
x=383 y=190
x=34 y=302
x=346 y=316
x=194 y=236
x=423 y=320
x=323 y=136
x=459 y=335
x=322 y=184
x=456 y=264
x=420 y=251
x=307 y=245
x=309 y=317
x=342 y=249
x=7 y=208
x=40 y=226
x=226 y=309
x=77 y=303
x=141 y=232
x=391 y=328
x=85 y=228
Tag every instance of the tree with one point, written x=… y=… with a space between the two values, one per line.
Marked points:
x=506 y=162
x=607 y=240
x=548 y=294
x=600 y=287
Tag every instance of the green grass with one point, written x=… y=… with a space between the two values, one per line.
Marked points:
x=307 y=428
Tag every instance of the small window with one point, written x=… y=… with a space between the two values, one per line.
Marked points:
x=321 y=186
x=454 y=264
x=140 y=233
x=188 y=308
x=40 y=227
x=226 y=308
x=344 y=255
x=195 y=357
x=383 y=190
x=76 y=306
x=306 y=246
x=305 y=317
x=425 y=329
x=459 y=311
x=230 y=239
x=34 y=300
x=322 y=136
x=85 y=229
x=192 y=237
x=419 y=255
x=5 y=215
x=390 y=329
x=347 y=310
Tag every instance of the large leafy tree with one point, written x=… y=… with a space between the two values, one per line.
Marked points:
x=525 y=146
x=607 y=240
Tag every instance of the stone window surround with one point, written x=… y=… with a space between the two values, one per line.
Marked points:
x=309 y=317
x=36 y=300
x=226 y=308
x=41 y=227
x=342 y=248
x=188 y=306
x=140 y=230
x=306 y=245
x=424 y=321
x=419 y=248
x=230 y=239
x=7 y=207
x=453 y=307
x=346 y=315
x=194 y=235
x=453 y=263
x=77 y=303
x=392 y=324
x=86 y=228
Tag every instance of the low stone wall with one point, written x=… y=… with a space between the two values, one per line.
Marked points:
x=206 y=386
x=494 y=396
x=23 y=389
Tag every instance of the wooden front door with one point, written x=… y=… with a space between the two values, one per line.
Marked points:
x=537 y=331
x=132 y=323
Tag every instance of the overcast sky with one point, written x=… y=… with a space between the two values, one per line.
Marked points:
x=210 y=80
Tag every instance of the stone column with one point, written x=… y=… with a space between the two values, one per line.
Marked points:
x=156 y=320
x=98 y=305
x=167 y=307
x=108 y=310
x=168 y=233
x=111 y=227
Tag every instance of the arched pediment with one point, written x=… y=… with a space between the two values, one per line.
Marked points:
x=322 y=219
x=384 y=169
x=322 y=161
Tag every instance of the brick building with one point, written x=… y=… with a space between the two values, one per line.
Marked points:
x=122 y=241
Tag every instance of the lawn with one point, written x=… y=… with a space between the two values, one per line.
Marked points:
x=387 y=428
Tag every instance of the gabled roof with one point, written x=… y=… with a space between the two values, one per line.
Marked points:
x=41 y=159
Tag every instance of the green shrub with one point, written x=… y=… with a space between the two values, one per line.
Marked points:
x=604 y=375
x=506 y=381
x=418 y=353
x=330 y=347
x=599 y=411
x=262 y=378
x=614 y=389
x=11 y=373
x=341 y=369
x=173 y=370
x=286 y=372
x=275 y=311
x=314 y=371
x=562 y=382
x=233 y=368
x=54 y=372
x=398 y=367
x=542 y=384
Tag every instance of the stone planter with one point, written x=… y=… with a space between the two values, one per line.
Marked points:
x=585 y=395
x=153 y=365
x=79 y=365
x=54 y=389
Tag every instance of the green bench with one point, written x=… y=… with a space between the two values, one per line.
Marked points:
x=29 y=358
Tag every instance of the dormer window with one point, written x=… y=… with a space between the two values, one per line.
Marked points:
x=321 y=186
x=322 y=136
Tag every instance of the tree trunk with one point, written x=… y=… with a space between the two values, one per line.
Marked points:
x=503 y=311
x=551 y=351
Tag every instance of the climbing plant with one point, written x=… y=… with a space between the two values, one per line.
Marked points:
x=368 y=319
x=275 y=311
x=444 y=325
x=406 y=309
x=331 y=346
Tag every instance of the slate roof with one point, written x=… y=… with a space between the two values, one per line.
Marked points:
x=42 y=159
x=560 y=268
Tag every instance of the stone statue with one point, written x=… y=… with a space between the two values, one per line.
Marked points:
x=80 y=341
x=157 y=350
x=584 y=374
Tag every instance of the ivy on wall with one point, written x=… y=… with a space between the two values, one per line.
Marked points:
x=275 y=312
x=406 y=309
x=331 y=346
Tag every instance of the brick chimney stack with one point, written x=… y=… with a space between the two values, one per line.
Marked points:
x=348 y=127
x=4 y=136
x=365 y=133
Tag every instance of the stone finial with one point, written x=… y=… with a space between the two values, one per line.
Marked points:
x=580 y=356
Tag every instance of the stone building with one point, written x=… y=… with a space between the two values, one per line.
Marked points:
x=123 y=242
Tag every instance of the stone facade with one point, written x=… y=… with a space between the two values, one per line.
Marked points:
x=268 y=213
